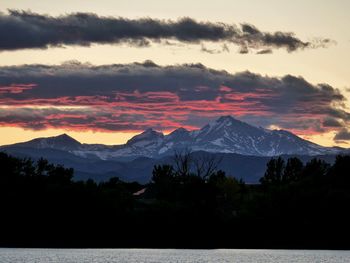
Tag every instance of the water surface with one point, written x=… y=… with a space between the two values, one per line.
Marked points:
x=9 y=255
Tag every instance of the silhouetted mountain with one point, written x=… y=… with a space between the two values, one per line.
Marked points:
x=233 y=136
x=244 y=150
x=61 y=142
x=147 y=138
x=225 y=135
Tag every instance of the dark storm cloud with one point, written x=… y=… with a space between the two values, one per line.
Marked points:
x=167 y=96
x=342 y=135
x=188 y=81
x=331 y=122
x=24 y=29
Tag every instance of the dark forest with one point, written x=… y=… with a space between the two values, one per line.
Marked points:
x=189 y=204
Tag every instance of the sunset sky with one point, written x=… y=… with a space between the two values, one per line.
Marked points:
x=103 y=71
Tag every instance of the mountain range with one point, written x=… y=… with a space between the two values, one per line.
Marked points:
x=226 y=136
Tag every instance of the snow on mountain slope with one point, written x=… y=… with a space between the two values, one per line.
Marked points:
x=225 y=135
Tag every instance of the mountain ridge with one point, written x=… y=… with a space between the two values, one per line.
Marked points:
x=223 y=135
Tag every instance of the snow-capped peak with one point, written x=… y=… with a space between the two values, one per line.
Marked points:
x=224 y=135
x=179 y=130
x=147 y=135
x=226 y=119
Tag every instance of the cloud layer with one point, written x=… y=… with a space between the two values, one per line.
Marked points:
x=342 y=135
x=25 y=30
x=133 y=97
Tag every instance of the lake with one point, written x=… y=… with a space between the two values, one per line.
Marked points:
x=9 y=255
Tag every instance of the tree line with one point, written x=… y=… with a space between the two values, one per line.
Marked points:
x=189 y=203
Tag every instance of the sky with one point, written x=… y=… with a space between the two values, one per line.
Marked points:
x=103 y=71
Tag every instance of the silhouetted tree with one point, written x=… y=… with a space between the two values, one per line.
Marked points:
x=182 y=161
x=292 y=171
x=60 y=175
x=163 y=180
x=340 y=171
x=162 y=173
x=205 y=165
x=274 y=172
x=315 y=169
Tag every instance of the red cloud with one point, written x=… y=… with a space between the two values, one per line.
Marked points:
x=136 y=96
x=163 y=110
